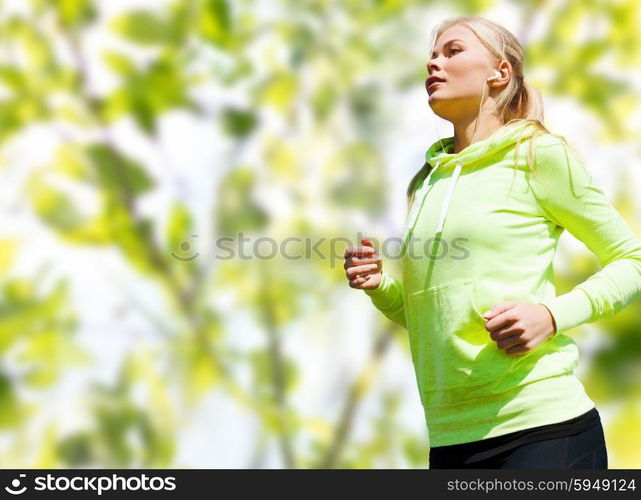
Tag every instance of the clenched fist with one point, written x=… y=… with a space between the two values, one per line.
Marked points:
x=518 y=327
x=363 y=266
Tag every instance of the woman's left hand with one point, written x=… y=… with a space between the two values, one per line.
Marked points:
x=518 y=327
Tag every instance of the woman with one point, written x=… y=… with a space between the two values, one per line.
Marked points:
x=493 y=364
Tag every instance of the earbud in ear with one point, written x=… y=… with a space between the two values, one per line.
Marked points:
x=497 y=74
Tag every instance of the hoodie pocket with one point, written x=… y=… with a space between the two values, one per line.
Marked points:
x=449 y=343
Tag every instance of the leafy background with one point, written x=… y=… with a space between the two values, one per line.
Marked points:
x=133 y=134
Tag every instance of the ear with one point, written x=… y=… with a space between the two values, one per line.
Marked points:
x=505 y=68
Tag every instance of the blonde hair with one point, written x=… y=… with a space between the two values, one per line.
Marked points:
x=519 y=100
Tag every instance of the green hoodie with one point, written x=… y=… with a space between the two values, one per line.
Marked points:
x=497 y=226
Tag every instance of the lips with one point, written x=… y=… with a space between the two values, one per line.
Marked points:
x=433 y=79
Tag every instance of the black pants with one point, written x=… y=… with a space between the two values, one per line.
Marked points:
x=585 y=450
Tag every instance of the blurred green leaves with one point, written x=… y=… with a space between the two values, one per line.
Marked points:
x=579 y=70
x=146 y=93
x=55 y=208
x=10 y=411
x=71 y=14
x=115 y=181
x=238 y=122
x=216 y=23
x=144 y=27
x=116 y=173
x=124 y=432
x=301 y=102
x=236 y=211
x=356 y=179
x=36 y=331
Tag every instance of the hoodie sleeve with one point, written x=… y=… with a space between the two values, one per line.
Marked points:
x=570 y=199
x=388 y=298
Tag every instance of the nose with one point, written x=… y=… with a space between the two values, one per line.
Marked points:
x=432 y=66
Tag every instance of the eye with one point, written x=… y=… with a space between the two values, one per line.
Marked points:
x=455 y=50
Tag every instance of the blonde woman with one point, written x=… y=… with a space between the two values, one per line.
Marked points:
x=488 y=334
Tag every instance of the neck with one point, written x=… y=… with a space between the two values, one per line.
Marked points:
x=464 y=130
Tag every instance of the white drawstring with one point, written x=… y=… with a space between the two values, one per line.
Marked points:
x=417 y=206
x=448 y=196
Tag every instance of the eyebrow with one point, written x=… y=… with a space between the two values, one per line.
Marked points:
x=450 y=42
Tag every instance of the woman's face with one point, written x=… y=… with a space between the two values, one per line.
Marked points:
x=464 y=63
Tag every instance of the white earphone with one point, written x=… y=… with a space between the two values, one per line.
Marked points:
x=497 y=74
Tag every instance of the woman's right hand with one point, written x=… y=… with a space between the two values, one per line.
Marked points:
x=363 y=266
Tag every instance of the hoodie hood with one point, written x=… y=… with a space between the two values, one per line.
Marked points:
x=504 y=137
x=440 y=155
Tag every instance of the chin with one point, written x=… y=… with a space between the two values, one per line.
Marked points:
x=436 y=102
x=440 y=108
x=435 y=95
